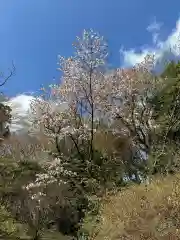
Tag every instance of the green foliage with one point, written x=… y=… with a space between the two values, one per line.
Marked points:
x=165 y=159
x=11 y=181
x=166 y=102
x=5 y=117
x=16 y=173
x=172 y=70
x=10 y=228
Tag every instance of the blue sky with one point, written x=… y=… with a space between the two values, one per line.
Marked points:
x=34 y=32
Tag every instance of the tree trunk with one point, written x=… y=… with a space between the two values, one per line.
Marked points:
x=36 y=236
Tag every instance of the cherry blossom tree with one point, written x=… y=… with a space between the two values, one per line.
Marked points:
x=80 y=91
x=89 y=94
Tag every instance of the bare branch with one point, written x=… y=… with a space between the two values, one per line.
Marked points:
x=5 y=79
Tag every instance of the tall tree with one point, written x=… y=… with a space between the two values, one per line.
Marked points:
x=167 y=100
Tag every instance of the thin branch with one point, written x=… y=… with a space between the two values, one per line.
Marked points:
x=12 y=71
x=77 y=147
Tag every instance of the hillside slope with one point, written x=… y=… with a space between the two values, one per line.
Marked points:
x=141 y=212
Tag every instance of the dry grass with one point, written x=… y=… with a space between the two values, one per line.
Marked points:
x=140 y=213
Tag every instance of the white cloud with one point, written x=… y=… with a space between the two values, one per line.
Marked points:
x=154 y=26
x=20 y=106
x=21 y=113
x=158 y=48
